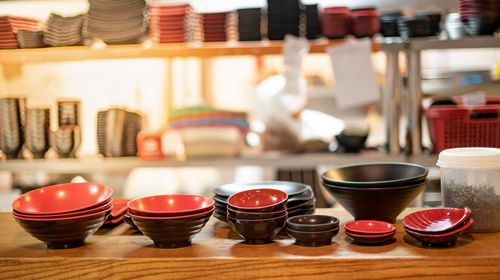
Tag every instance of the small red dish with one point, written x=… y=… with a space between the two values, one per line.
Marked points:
x=370 y=227
x=436 y=220
x=62 y=198
x=435 y=239
x=258 y=199
x=170 y=205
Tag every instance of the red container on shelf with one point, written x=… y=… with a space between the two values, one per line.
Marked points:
x=149 y=146
x=465 y=126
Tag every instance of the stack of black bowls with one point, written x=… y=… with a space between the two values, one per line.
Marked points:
x=11 y=126
x=376 y=191
x=37 y=131
x=414 y=27
x=389 y=23
x=283 y=17
x=313 y=25
x=301 y=200
x=249 y=24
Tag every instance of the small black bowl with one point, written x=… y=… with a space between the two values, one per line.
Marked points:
x=312 y=223
x=351 y=143
x=313 y=238
x=257 y=232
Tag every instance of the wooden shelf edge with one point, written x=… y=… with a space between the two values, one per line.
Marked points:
x=78 y=53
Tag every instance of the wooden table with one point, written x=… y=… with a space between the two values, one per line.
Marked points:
x=218 y=253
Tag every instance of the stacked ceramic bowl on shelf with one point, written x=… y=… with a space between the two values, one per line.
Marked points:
x=301 y=200
x=9 y=26
x=171 y=221
x=335 y=22
x=63 y=31
x=312 y=230
x=171 y=23
x=370 y=231
x=375 y=191
x=438 y=227
x=11 y=126
x=364 y=22
x=257 y=215
x=63 y=216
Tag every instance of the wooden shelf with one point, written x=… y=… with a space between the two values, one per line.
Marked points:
x=75 y=53
x=275 y=160
x=219 y=253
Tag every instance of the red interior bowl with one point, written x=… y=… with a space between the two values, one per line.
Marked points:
x=107 y=210
x=448 y=238
x=370 y=227
x=257 y=199
x=106 y=206
x=62 y=198
x=170 y=205
x=201 y=214
x=436 y=220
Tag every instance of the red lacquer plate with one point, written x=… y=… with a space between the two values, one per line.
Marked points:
x=436 y=220
x=370 y=227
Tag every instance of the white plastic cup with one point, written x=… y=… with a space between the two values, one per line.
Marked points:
x=470 y=177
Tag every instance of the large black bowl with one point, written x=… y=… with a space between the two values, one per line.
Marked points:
x=375 y=174
x=383 y=203
x=62 y=234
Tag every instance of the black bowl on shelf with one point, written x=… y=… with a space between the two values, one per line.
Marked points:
x=435 y=21
x=351 y=143
x=414 y=27
x=479 y=26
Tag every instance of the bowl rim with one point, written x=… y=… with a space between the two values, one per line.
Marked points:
x=107 y=206
x=264 y=185
x=377 y=183
x=131 y=204
x=466 y=214
x=465 y=226
x=348 y=227
x=283 y=200
x=256 y=220
x=229 y=208
x=171 y=217
x=336 y=221
x=108 y=192
x=368 y=188
x=62 y=219
x=313 y=232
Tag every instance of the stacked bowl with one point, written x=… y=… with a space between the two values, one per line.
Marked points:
x=63 y=31
x=171 y=221
x=313 y=230
x=283 y=17
x=63 y=216
x=214 y=26
x=170 y=23
x=438 y=227
x=370 y=231
x=37 y=132
x=364 y=22
x=313 y=25
x=301 y=199
x=480 y=17
x=335 y=22
x=249 y=24
x=118 y=212
x=257 y=215
x=11 y=130
x=375 y=191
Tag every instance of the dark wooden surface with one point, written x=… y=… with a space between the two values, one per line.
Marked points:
x=218 y=253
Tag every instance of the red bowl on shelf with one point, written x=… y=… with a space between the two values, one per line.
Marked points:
x=187 y=217
x=170 y=205
x=62 y=198
x=436 y=220
x=259 y=200
x=440 y=239
x=370 y=227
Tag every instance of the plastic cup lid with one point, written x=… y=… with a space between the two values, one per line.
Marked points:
x=470 y=158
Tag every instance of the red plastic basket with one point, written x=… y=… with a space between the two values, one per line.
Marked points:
x=465 y=126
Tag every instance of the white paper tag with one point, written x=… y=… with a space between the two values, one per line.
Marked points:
x=355 y=78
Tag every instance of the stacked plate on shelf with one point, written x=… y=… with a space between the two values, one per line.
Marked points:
x=11 y=126
x=66 y=139
x=335 y=22
x=480 y=17
x=37 y=131
x=116 y=21
x=118 y=212
x=214 y=26
x=9 y=26
x=249 y=24
x=30 y=39
x=171 y=23
x=63 y=216
x=117 y=131
x=370 y=231
x=313 y=26
x=301 y=198
x=63 y=31
x=438 y=227
x=171 y=221
x=283 y=17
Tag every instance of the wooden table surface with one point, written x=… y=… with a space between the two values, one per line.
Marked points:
x=218 y=253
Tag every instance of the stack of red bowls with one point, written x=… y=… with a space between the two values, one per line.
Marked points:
x=214 y=26
x=370 y=231
x=63 y=216
x=335 y=22
x=364 y=22
x=118 y=212
x=438 y=227
x=9 y=26
x=171 y=221
x=257 y=215
x=169 y=23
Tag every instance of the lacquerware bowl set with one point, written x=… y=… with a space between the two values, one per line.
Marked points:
x=63 y=216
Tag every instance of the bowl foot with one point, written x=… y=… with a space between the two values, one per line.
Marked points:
x=172 y=245
x=316 y=243
x=65 y=245
x=258 y=241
